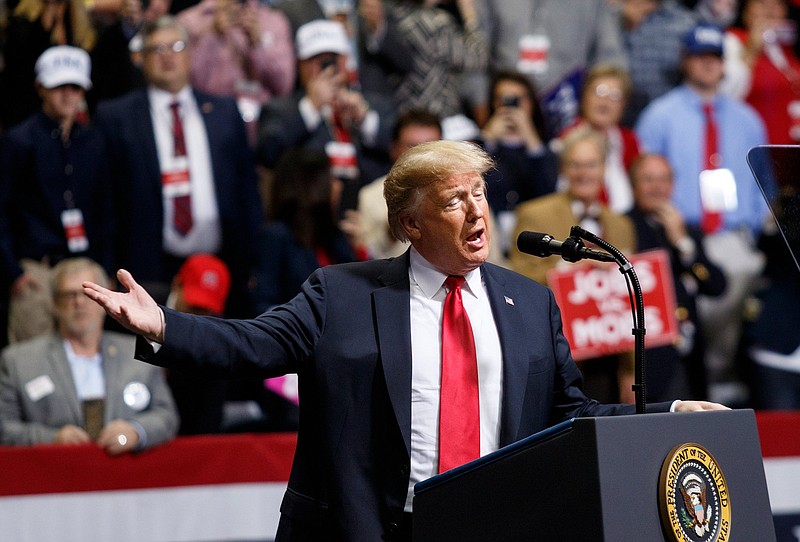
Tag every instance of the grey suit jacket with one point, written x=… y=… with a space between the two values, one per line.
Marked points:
x=38 y=395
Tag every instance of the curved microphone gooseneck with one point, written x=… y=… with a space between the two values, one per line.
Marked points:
x=637 y=310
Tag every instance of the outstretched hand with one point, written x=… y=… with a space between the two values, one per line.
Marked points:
x=696 y=406
x=134 y=309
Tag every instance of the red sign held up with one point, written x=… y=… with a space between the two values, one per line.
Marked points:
x=596 y=310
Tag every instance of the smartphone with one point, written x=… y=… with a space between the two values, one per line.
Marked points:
x=509 y=101
x=349 y=197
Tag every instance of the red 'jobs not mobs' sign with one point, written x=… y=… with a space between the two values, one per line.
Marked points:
x=596 y=310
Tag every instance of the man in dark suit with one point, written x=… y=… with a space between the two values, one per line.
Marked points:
x=55 y=193
x=674 y=369
x=327 y=113
x=184 y=176
x=365 y=340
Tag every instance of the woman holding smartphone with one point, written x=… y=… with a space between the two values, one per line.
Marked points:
x=517 y=138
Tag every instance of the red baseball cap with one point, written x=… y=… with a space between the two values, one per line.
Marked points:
x=205 y=281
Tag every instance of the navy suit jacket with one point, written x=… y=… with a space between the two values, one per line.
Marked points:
x=281 y=127
x=347 y=335
x=664 y=362
x=130 y=135
x=36 y=170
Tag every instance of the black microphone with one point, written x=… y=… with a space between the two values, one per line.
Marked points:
x=572 y=249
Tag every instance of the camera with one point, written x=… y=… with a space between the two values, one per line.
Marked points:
x=509 y=101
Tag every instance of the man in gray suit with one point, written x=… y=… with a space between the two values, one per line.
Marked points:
x=81 y=384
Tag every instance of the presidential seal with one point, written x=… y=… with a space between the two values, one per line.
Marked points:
x=693 y=496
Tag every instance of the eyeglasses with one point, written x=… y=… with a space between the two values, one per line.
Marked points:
x=163 y=48
x=605 y=91
x=69 y=295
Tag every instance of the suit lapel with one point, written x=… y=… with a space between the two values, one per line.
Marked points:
x=508 y=318
x=59 y=364
x=207 y=110
x=215 y=134
x=392 y=304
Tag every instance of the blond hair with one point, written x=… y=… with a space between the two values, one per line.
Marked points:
x=609 y=70
x=83 y=33
x=423 y=166
x=578 y=135
x=70 y=266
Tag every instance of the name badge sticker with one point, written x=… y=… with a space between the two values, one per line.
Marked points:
x=175 y=178
x=39 y=387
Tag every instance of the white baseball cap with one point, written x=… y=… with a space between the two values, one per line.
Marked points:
x=321 y=36
x=64 y=65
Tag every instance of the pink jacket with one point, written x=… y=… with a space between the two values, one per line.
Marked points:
x=221 y=63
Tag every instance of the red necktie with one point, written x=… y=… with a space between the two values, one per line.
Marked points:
x=340 y=131
x=603 y=196
x=459 y=415
x=712 y=220
x=182 y=205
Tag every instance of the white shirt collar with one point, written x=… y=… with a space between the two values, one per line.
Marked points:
x=580 y=210
x=431 y=280
x=160 y=98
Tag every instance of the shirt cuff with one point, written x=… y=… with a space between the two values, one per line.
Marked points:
x=311 y=117
x=674 y=405
x=537 y=152
x=142 y=435
x=369 y=128
x=155 y=345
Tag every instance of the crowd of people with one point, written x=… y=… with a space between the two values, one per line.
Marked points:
x=258 y=136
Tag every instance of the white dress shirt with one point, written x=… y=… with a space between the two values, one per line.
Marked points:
x=87 y=373
x=427 y=300
x=206 y=232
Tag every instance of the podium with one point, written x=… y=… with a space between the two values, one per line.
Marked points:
x=600 y=479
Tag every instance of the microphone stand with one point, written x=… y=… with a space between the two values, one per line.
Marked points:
x=637 y=310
